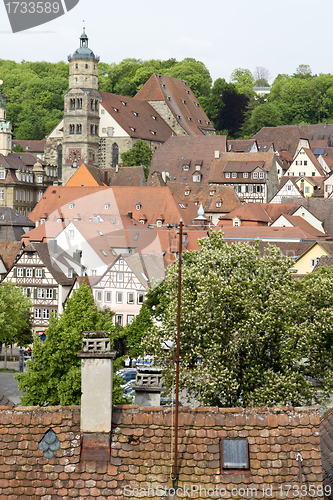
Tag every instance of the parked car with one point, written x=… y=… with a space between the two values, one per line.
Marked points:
x=127 y=374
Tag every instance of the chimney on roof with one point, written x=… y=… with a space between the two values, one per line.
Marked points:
x=106 y=177
x=163 y=173
x=148 y=386
x=117 y=169
x=96 y=401
x=217 y=155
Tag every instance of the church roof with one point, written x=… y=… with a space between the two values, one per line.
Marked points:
x=83 y=52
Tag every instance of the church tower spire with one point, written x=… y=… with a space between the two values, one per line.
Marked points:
x=81 y=110
x=5 y=128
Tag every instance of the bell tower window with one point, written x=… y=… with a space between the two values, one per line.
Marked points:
x=72 y=129
x=96 y=105
x=115 y=154
x=92 y=129
x=96 y=129
x=79 y=129
x=79 y=104
x=72 y=103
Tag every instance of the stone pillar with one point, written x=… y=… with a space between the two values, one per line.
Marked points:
x=96 y=384
x=148 y=386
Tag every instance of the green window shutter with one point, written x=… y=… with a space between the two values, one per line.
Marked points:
x=35 y=293
x=24 y=273
x=33 y=273
x=54 y=293
x=43 y=273
x=28 y=292
x=15 y=272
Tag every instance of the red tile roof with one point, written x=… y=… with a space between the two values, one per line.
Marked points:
x=178 y=151
x=268 y=233
x=156 y=203
x=136 y=117
x=32 y=146
x=181 y=101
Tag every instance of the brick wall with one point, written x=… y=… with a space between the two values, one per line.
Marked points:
x=141 y=453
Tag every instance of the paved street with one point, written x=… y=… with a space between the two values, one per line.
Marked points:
x=8 y=386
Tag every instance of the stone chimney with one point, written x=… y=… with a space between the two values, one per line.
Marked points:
x=96 y=400
x=148 y=386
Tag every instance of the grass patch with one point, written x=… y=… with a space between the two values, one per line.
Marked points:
x=8 y=370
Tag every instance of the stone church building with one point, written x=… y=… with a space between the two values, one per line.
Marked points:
x=98 y=127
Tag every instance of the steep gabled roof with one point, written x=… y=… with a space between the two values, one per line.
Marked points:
x=9 y=250
x=136 y=117
x=244 y=162
x=241 y=145
x=86 y=175
x=284 y=137
x=34 y=146
x=300 y=222
x=181 y=101
x=250 y=212
x=177 y=151
x=201 y=194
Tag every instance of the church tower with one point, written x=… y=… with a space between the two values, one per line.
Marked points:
x=5 y=128
x=81 y=111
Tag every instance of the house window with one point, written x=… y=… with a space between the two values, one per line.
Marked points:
x=234 y=175
x=108 y=296
x=71 y=234
x=245 y=175
x=236 y=223
x=212 y=193
x=328 y=188
x=307 y=190
x=198 y=167
x=70 y=272
x=141 y=297
x=39 y=179
x=2 y=174
x=38 y=313
x=39 y=195
x=40 y=293
x=130 y=298
x=301 y=173
x=119 y=319
x=234 y=454
x=79 y=129
x=120 y=277
x=261 y=175
x=130 y=318
x=227 y=175
x=187 y=192
x=255 y=175
x=289 y=188
x=46 y=314
x=99 y=296
x=49 y=293
x=71 y=206
x=159 y=223
x=38 y=273
x=314 y=262
x=305 y=162
x=298 y=163
x=2 y=194
x=93 y=272
x=313 y=174
x=20 y=273
x=218 y=204
x=119 y=297
x=196 y=178
x=185 y=167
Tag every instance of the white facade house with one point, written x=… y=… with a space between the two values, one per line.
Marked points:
x=288 y=189
x=305 y=164
x=123 y=286
x=46 y=277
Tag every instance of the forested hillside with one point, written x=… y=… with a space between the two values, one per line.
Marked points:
x=34 y=92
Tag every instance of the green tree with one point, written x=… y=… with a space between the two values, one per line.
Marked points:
x=265 y=115
x=250 y=334
x=139 y=154
x=243 y=80
x=17 y=149
x=195 y=73
x=54 y=375
x=14 y=315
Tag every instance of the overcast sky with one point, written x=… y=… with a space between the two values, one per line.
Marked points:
x=223 y=35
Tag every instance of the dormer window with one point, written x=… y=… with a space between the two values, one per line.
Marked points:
x=199 y=121
x=234 y=175
x=2 y=174
x=212 y=193
x=245 y=175
x=198 y=167
x=187 y=192
x=135 y=113
x=123 y=103
x=71 y=205
x=196 y=178
x=183 y=101
x=189 y=118
x=218 y=204
x=153 y=117
x=159 y=223
x=227 y=175
x=255 y=175
x=116 y=110
x=106 y=206
x=197 y=104
x=261 y=175
x=185 y=167
x=187 y=91
x=169 y=98
x=142 y=221
x=133 y=129
x=138 y=206
x=152 y=131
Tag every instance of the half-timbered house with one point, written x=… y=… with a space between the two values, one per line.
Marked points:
x=46 y=276
x=123 y=286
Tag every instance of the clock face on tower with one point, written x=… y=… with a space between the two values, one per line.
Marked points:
x=75 y=155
